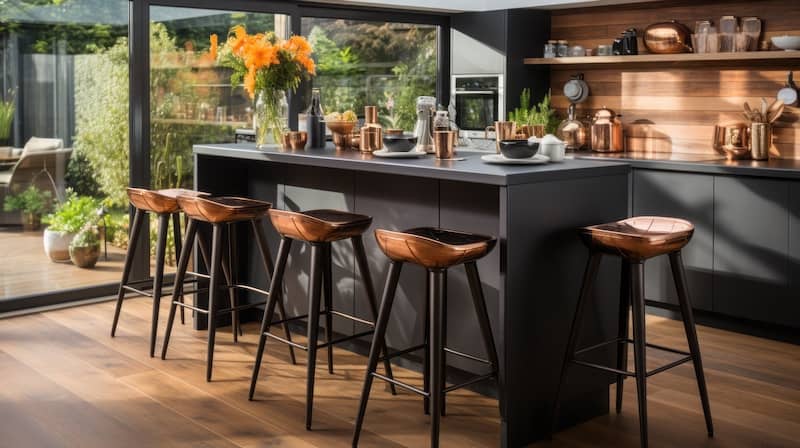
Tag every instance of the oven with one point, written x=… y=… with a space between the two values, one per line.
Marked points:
x=479 y=102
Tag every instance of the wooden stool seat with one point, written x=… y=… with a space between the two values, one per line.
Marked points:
x=223 y=209
x=319 y=226
x=433 y=248
x=159 y=201
x=640 y=237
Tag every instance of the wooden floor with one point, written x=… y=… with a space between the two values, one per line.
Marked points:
x=65 y=382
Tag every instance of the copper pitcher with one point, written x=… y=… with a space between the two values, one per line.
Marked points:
x=503 y=130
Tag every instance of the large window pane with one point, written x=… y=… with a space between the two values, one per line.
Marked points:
x=63 y=139
x=192 y=100
x=373 y=63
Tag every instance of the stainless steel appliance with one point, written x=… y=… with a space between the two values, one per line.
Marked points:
x=479 y=101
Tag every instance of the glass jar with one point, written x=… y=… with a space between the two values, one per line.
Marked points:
x=562 y=49
x=550 y=49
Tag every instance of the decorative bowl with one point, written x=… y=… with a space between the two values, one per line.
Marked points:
x=786 y=42
x=518 y=149
x=341 y=127
x=399 y=142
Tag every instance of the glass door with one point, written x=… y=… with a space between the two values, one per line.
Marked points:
x=63 y=147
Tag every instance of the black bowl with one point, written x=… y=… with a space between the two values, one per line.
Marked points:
x=518 y=149
x=399 y=142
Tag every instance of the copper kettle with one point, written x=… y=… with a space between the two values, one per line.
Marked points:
x=572 y=131
x=606 y=131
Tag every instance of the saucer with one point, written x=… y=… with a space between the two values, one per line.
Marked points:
x=499 y=159
x=398 y=154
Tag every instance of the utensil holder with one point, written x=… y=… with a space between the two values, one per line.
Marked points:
x=760 y=140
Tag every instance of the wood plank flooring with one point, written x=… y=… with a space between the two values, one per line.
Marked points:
x=65 y=382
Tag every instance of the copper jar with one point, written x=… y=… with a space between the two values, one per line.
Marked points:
x=606 y=132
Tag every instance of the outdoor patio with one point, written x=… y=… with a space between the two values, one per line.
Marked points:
x=27 y=269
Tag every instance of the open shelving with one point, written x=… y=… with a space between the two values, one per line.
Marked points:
x=764 y=57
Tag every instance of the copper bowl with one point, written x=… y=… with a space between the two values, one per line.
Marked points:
x=667 y=38
x=341 y=127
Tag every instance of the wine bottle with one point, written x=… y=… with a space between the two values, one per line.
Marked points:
x=315 y=122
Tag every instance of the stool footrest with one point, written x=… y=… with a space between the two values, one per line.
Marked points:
x=137 y=291
x=686 y=357
x=405 y=386
x=401 y=352
x=467 y=356
x=223 y=310
x=286 y=341
x=345 y=338
x=351 y=317
x=477 y=379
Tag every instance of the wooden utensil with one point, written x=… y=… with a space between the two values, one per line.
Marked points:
x=774 y=115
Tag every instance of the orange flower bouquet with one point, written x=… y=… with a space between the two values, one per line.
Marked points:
x=268 y=67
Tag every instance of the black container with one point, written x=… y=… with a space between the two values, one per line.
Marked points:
x=518 y=149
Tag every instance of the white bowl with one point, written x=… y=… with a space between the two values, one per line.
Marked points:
x=786 y=42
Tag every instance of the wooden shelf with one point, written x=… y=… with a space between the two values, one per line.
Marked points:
x=740 y=59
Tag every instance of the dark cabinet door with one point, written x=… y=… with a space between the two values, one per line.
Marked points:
x=687 y=196
x=751 y=243
x=792 y=303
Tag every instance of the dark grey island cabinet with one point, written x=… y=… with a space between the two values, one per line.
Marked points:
x=531 y=279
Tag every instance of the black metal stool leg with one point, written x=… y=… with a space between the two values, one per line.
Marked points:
x=483 y=317
x=366 y=279
x=639 y=345
x=266 y=258
x=314 y=297
x=436 y=293
x=679 y=274
x=426 y=357
x=589 y=276
x=327 y=292
x=213 y=290
x=381 y=322
x=269 y=311
x=180 y=275
x=126 y=270
x=158 y=278
x=231 y=278
x=176 y=235
x=622 y=329
x=443 y=333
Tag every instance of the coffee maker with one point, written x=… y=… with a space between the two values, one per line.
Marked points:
x=426 y=108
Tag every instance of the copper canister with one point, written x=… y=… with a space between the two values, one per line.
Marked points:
x=606 y=131
x=371 y=138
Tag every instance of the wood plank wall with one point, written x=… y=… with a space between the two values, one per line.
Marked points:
x=672 y=108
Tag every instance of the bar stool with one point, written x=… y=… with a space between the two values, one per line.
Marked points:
x=635 y=240
x=319 y=229
x=164 y=204
x=222 y=213
x=436 y=250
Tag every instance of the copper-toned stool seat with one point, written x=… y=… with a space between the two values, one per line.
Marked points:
x=433 y=248
x=223 y=209
x=319 y=226
x=159 y=201
x=640 y=237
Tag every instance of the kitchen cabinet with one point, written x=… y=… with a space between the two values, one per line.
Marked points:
x=687 y=196
x=751 y=244
x=791 y=304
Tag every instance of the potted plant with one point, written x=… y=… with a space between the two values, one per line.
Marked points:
x=65 y=222
x=534 y=121
x=31 y=203
x=84 y=249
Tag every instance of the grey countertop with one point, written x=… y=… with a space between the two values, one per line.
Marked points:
x=471 y=169
x=695 y=163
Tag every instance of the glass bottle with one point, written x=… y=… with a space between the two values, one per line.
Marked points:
x=315 y=122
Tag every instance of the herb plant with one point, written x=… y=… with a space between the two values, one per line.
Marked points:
x=73 y=214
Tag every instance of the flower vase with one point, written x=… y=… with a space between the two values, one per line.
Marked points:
x=271 y=117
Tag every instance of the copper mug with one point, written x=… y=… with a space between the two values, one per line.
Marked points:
x=443 y=145
x=503 y=130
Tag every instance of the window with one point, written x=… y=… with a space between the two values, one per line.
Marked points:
x=363 y=63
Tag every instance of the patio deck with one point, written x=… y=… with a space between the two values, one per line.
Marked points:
x=26 y=270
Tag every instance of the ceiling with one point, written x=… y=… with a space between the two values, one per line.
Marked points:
x=480 y=5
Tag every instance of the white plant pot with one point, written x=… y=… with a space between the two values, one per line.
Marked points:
x=56 y=245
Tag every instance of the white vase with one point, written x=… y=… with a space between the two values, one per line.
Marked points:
x=56 y=245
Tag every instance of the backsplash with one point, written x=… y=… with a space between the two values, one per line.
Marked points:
x=670 y=108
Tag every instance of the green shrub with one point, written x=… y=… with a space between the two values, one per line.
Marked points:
x=81 y=177
x=74 y=213
x=87 y=237
x=31 y=200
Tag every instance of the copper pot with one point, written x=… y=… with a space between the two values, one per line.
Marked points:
x=667 y=38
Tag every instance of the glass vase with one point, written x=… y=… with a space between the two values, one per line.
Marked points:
x=271 y=117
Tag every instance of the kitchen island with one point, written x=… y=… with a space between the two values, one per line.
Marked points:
x=531 y=280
